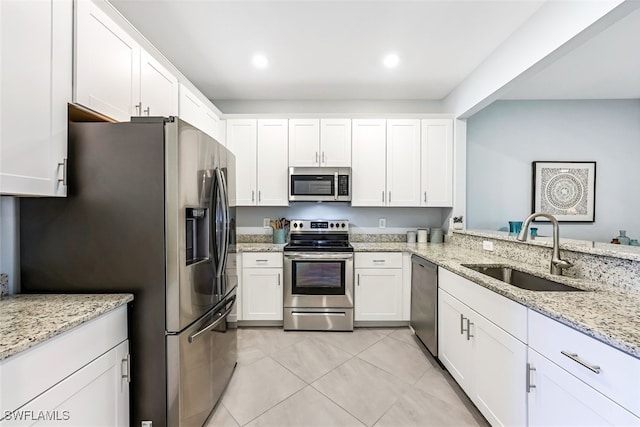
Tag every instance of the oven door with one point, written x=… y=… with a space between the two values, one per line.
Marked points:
x=318 y=279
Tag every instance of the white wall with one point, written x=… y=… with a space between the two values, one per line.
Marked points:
x=504 y=138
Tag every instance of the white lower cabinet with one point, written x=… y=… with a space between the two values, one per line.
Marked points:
x=262 y=282
x=78 y=378
x=378 y=291
x=487 y=362
x=558 y=398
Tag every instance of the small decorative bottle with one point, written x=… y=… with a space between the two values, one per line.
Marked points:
x=622 y=238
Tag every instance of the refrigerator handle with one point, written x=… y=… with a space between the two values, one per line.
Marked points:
x=225 y=220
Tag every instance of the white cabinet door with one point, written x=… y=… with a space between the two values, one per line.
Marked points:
x=558 y=398
x=437 y=163
x=378 y=294
x=272 y=174
x=454 y=347
x=241 y=139
x=369 y=163
x=158 y=88
x=95 y=395
x=335 y=142
x=262 y=294
x=304 y=142
x=403 y=163
x=35 y=83
x=190 y=109
x=107 y=61
x=499 y=360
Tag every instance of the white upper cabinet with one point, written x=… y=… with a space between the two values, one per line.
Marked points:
x=158 y=88
x=403 y=162
x=437 y=163
x=107 y=61
x=335 y=142
x=304 y=142
x=35 y=88
x=368 y=172
x=242 y=137
x=260 y=147
x=114 y=76
x=320 y=142
x=198 y=114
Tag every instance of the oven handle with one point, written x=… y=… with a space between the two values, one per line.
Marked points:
x=318 y=255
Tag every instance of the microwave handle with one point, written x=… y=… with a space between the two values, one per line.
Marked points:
x=335 y=186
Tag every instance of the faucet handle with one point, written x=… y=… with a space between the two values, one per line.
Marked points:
x=562 y=263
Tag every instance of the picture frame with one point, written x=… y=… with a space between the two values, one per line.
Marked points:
x=565 y=190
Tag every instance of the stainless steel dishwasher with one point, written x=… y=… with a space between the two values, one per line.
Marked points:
x=424 y=302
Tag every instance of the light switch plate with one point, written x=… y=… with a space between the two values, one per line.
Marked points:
x=382 y=223
x=487 y=245
x=265 y=222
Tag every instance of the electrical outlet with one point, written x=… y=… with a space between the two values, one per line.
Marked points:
x=265 y=222
x=382 y=223
x=487 y=245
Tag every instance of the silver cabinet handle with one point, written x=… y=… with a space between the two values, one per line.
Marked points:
x=577 y=359
x=389 y=196
x=378 y=260
x=253 y=195
x=259 y=196
x=262 y=260
x=126 y=370
x=462 y=324
x=146 y=110
x=139 y=108
x=63 y=180
x=469 y=324
x=316 y=157
x=358 y=281
x=382 y=196
x=323 y=161
x=530 y=369
x=425 y=197
x=278 y=279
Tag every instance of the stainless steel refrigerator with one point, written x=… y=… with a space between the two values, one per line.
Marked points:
x=150 y=210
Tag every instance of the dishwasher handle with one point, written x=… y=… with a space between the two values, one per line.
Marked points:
x=415 y=259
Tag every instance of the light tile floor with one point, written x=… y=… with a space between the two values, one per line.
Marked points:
x=371 y=377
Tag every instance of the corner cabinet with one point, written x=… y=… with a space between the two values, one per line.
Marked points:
x=114 y=76
x=320 y=142
x=436 y=163
x=482 y=343
x=87 y=385
x=260 y=147
x=262 y=282
x=35 y=82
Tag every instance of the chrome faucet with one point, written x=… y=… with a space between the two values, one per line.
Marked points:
x=557 y=264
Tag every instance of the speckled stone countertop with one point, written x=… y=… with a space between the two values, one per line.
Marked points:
x=609 y=315
x=259 y=247
x=584 y=246
x=29 y=319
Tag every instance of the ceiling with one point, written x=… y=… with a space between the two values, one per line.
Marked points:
x=326 y=50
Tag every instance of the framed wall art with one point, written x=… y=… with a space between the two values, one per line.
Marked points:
x=565 y=190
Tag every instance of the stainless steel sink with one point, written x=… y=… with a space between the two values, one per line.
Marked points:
x=520 y=279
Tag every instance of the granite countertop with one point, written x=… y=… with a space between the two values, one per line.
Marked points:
x=259 y=247
x=609 y=315
x=30 y=319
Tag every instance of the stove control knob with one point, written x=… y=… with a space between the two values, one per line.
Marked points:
x=331 y=225
x=343 y=225
x=301 y=225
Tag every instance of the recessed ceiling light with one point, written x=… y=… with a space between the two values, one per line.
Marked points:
x=391 y=60
x=259 y=61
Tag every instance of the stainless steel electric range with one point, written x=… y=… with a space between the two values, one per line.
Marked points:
x=318 y=276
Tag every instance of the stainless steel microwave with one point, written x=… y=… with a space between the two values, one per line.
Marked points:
x=319 y=184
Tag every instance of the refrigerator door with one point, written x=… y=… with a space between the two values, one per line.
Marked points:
x=200 y=362
x=190 y=181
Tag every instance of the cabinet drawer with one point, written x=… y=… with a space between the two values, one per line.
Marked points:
x=507 y=314
x=378 y=260
x=619 y=373
x=262 y=260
